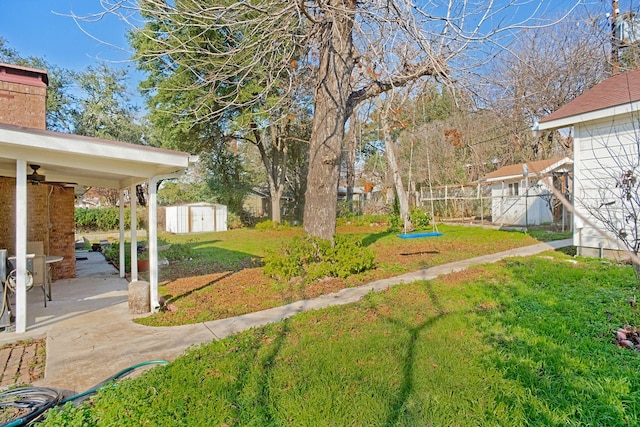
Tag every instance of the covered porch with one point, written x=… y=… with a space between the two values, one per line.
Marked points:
x=70 y=161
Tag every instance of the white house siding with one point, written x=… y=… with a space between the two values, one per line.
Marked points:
x=596 y=146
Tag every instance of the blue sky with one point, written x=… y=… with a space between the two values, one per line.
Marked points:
x=57 y=38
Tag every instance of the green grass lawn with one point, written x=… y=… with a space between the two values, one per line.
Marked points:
x=524 y=342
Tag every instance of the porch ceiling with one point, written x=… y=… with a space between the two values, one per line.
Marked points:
x=90 y=162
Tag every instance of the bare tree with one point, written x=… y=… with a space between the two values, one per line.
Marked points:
x=358 y=50
x=542 y=71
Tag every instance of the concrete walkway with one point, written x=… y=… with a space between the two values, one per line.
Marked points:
x=98 y=338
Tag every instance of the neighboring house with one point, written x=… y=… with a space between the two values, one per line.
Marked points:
x=606 y=129
x=257 y=202
x=521 y=194
x=39 y=170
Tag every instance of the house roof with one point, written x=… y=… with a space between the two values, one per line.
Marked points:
x=91 y=162
x=537 y=168
x=619 y=90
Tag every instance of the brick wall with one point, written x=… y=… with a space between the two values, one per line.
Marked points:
x=49 y=219
x=23 y=96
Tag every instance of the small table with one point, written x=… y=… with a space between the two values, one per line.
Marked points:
x=50 y=259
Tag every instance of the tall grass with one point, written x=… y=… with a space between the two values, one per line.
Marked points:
x=518 y=343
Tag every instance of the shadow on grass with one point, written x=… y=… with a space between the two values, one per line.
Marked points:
x=419 y=253
x=406 y=385
x=553 y=342
x=372 y=238
x=200 y=258
x=172 y=299
x=262 y=416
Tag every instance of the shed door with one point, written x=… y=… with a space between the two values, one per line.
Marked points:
x=201 y=219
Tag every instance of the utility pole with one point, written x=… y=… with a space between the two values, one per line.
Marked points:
x=615 y=41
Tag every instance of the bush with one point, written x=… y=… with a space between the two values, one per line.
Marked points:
x=394 y=223
x=175 y=252
x=362 y=220
x=270 y=225
x=234 y=221
x=313 y=258
x=419 y=218
x=104 y=219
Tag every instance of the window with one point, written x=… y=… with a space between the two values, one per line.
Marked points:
x=513 y=189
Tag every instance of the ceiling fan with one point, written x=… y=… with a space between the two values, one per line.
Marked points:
x=35 y=178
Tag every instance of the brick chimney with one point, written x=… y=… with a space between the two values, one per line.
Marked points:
x=23 y=96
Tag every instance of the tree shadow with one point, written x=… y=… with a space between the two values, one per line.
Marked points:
x=406 y=384
x=172 y=298
x=203 y=258
x=419 y=253
x=262 y=375
x=372 y=238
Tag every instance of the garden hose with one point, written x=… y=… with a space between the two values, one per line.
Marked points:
x=35 y=401
x=81 y=396
x=28 y=402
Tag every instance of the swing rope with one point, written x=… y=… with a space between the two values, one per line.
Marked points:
x=433 y=216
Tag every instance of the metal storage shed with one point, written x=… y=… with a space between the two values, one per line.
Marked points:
x=196 y=218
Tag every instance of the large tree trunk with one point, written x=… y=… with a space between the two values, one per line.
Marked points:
x=330 y=114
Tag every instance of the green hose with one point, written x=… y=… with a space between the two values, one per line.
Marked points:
x=112 y=378
x=40 y=399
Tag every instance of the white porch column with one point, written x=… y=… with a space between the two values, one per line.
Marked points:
x=21 y=246
x=121 y=237
x=134 y=236
x=152 y=240
x=153 y=236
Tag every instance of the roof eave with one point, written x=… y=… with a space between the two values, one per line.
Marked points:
x=569 y=121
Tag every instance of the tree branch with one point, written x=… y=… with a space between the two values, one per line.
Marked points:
x=410 y=74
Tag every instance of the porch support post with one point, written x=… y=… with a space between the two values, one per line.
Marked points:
x=21 y=245
x=153 y=236
x=134 y=236
x=153 y=243
x=121 y=236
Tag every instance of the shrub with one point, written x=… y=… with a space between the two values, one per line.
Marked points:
x=175 y=252
x=270 y=225
x=104 y=219
x=362 y=220
x=394 y=223
x=234 y=221
x=313 y=258
x=419 y=218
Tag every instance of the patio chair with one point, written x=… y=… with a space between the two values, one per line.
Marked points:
x=40 y=269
